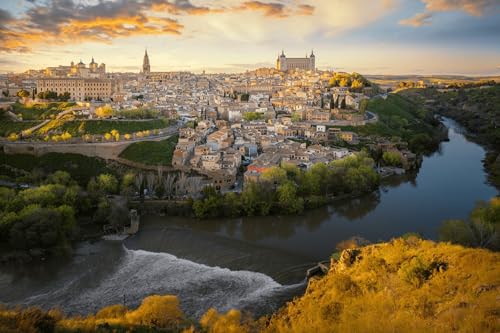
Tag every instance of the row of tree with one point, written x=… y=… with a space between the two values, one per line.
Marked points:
x=288 y=190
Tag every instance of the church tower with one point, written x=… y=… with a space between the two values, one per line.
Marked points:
x=312 y=60
x=146 y=68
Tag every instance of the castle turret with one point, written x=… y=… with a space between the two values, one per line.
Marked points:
x=312 y=60
x=93 y=65
x=281 y=64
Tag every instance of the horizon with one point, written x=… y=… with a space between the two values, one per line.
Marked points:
x=385 y=37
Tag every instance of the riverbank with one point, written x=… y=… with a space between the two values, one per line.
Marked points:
x=415 y=285
x=201 y=260
x=476 y=110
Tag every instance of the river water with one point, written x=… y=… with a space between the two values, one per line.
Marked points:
x=254 y=264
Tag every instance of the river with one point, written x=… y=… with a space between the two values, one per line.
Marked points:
x=256 y=263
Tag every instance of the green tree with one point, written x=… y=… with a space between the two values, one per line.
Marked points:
x=288 y=200
x=456 y=231
x=108 y=183
x=127 y=186
x=252 y=116
x=60 y=177
x=274 y=175
x=392 y=158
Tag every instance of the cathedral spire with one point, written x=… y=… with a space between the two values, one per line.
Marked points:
x=146 y=68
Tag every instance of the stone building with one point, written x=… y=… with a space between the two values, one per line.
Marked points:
x=284 y=64
x=79 y=88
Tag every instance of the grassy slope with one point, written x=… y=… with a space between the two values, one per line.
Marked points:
x=401 y=286
x=151 y=152
x=400 y=117
x=7 y=127
x=80 y=127
x=40 y=110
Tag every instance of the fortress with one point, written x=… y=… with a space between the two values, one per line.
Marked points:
x=308 y=63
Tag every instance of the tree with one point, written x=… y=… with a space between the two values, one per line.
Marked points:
x=64 y=97
x=363 y=105
x=456 y=231
x=256 y=199
x=482 y=229
x=104 y=111
x=128 y=184
x=274 y=175
x=287 y=198
x=23 y=93
x=392 y=158
x=342 y=103
x=108 y=183
x=296 y=117
x=252 y=116
x=60 y=177
x=47 y=95
x=357 y=85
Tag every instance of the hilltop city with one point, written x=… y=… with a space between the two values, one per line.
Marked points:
x=230 y=127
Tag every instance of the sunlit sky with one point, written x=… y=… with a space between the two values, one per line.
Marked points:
x=367 y=36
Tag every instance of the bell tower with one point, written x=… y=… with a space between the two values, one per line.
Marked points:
x=146 y=68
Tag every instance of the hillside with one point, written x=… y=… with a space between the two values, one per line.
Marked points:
x=406 y=285
x=401 y=286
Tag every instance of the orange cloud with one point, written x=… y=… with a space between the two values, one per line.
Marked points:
x=269 y=9
x=306 y=10
x=418 y=20
x=59 y=22
x=472 y=7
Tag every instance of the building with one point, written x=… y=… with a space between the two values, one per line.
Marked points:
x=146 y=68
x=77 y=70
x=79 y=88
x=284 y=64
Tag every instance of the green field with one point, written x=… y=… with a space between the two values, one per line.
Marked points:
x=80 y=127
x=40 y=110
x=151 y=152
x=7 y=127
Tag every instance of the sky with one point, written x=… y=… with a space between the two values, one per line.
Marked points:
x=366 y=36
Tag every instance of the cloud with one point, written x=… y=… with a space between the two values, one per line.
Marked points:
x=65 y=21
x=306 y=10
x=418 y=20
x=472 y=7
x=273 y=9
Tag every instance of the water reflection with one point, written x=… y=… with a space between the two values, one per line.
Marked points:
x=357 y=208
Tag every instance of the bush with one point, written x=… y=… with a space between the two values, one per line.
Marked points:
x=158 y=311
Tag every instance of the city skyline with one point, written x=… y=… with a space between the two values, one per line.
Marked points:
x=380 y=37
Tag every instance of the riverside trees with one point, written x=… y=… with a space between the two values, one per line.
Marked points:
x=481 y=230
x=288 y=190
x=45 y=218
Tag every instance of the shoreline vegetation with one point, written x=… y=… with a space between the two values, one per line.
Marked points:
x=415 y=285
x=476 y=108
